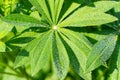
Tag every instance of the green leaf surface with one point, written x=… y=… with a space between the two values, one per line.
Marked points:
x=42 y=7
x=11 y=75
x=40 y=54
x=115 y=75
x=78 y=48
x=90 y=15
x=58 y=4
x=114 y=63
x=95 y=36
x=68 y=8
x=118 y=61
x=23 y=20
x=60 y=57
x=4 y=29
x=102 y=7
x=52 y=9
x=117 y=7
x=98 y=35
x=87 y=19
x=35 y=53
x=36 y=15
x=99 y=6
x=23 y=56
x=2 y=46
x=101 y=52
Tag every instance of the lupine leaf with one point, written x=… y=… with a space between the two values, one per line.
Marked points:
x=101 y=52
x=23 y=20
x=78 y=48
x=114 y=63
x=58 y=4
x=90 y=16
x=36 y=53
x=60 y=57
x=42 y=8
x=102 y=7
x=52 y=8
x=87 y=19
x=40 y=54
x=68 y=8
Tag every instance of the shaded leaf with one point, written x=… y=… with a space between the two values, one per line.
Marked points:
x=114 y=63
x=101 y=52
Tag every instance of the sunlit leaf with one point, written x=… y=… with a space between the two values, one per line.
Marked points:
x=90 y=16
x=23 y=20
x=114 y=63
x=87 y=19
x=78 y=48
x=60 y=57
x=68 y=8
x=42 y=7
x=40 y=54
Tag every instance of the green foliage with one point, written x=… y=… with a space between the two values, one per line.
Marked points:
x=60 y=40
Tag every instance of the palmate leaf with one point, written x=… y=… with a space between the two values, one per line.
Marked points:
x=90 y=16
x=23 y=20
x=39 y=50
x=101 y=52
x=65 y=46
x=78 y=48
